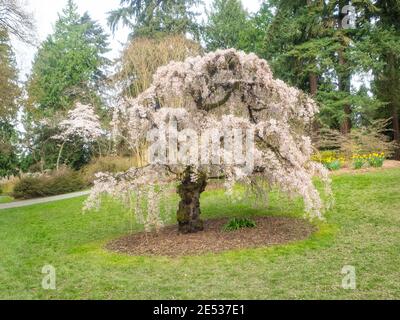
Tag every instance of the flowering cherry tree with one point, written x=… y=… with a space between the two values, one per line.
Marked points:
x=82 y=122
x=222 y=116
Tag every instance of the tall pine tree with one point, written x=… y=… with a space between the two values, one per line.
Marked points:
x=228 y=26
x=386 y=34
x=311 y=45
x=69 y=65
x=155 y=18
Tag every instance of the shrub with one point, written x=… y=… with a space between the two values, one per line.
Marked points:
x=143 y=56
x=58 y=182
x=106 y=164
x=28 y=187
x=239 y=223
x=7 y=184
x=364 y=140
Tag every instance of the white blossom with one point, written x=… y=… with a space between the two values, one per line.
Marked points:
x=222 y=91
x=81 y=122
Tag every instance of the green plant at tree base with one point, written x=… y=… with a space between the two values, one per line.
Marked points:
x=239 y=223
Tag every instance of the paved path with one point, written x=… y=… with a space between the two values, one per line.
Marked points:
x=25 y=203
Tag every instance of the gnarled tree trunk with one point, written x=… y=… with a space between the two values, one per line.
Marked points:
x=189 y=207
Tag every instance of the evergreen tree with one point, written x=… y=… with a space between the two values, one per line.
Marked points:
x=69 y=65
x=386 y=35
x=153 y=18
x=229 y=26
x=310 y=45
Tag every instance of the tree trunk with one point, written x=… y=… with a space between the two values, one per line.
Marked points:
x=189 y=207
x=59 y=156
x=344 y=75
x=313 y=84
x=396 y=130
x=313 y=78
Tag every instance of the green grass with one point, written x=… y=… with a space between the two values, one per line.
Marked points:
x=363 y=230
x=6 y=199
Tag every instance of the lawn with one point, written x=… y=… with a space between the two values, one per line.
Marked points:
x=363 y=230
x=6 y=199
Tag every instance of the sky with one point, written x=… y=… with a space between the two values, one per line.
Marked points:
x=46 y=12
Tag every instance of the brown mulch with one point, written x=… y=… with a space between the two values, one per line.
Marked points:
x=168 y=242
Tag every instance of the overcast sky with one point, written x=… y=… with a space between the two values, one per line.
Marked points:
x=45 y=13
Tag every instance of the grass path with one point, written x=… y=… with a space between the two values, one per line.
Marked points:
x=363 y=230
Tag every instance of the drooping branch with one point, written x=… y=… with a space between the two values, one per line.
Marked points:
x=219 y=100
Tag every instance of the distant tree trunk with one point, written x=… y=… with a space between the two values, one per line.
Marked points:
x=396 y=130
x=344 y=75
x=313 y=84
x=388 y=84
x=313 y=78
x=59 y=156
x=189 y=207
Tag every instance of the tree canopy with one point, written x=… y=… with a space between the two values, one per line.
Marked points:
x=192 y=117
x=152 y=18
x=69 y=65
x=228 y=26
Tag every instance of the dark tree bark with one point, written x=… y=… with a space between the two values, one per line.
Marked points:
x=344 y=75
x=396 y=130
x=313 y=84
x=189 y=207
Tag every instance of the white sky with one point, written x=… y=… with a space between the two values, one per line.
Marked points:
x=45 y=13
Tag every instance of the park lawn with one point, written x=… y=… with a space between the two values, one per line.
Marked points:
x=6 y=199
x=363 y=230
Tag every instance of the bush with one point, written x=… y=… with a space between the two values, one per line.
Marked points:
x=364 y=140
x=237 y=224
x=143 y=56
x=7 y=185
x=56 y=183
x=106 y=164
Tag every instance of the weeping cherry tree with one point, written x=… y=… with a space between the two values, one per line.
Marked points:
x=218 y=116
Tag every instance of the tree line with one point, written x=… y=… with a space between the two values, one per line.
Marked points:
x=345 y=54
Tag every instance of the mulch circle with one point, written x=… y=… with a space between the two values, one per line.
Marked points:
x=168 y=242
